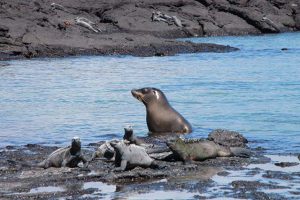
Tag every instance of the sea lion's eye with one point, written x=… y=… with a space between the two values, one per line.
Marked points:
x=145 y=90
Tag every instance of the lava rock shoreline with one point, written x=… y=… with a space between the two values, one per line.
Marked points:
x=48 y=28
x=23 y=182
x=18 y=180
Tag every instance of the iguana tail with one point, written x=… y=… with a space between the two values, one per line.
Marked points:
x=20 y=163
x=240 y=152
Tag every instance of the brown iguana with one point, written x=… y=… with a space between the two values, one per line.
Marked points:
x=201 y=149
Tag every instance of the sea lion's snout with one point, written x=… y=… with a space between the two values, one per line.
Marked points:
x=137 y=94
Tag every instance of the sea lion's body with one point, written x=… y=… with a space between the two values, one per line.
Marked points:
x=199 y=150
x=161 y=117
x=65 y=157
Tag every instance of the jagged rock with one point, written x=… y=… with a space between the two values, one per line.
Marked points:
x=4 y=31
x=228 y=138
x=44 y=29
x=228 y=23
x=286 y=164
x=297 y=21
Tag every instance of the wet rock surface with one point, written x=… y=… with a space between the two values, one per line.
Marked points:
x=227 y=138
x=48 y=28
x=286 y=164
x=19 y=181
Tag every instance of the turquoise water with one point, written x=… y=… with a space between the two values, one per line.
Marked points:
x=255 y=91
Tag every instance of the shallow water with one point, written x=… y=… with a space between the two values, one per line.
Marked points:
x=288 y=185
x=255 y=91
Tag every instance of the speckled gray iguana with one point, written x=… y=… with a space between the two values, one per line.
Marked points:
x=104 y=151
x=154 y=151
x=69 y=156
x=129 y=156
x=201 y=149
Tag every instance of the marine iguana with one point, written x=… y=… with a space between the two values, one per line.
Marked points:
x=129 y=156
x=69 y=156
x=129 y=136
x=202 y=149
x=105 y=151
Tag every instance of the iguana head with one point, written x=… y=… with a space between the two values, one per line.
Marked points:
x=177 y=144
x=128 y=133
x=178 y=147
x=75 y=145
x=119 y=146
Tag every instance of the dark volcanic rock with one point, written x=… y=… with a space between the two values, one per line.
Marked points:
x=13 y=171
x=254 y=185
x=3 y=31
x=126 y=26
x=227 y=138
x=286 y=164
x=278 y=175
x=254 y=190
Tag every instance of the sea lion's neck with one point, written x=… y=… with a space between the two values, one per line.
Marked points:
x=157 y=111
x=160 y=104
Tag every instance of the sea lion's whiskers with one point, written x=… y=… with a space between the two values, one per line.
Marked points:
x=144 y=99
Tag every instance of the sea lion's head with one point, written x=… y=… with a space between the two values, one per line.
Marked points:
x=149 y=95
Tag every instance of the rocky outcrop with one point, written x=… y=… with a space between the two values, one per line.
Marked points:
x=48 y=27
x=227 y=138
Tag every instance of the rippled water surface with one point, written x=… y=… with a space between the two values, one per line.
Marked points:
x=255 y=91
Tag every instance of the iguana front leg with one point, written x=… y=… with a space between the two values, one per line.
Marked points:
x=122 y=167
x=67 y=161
x=85 y=162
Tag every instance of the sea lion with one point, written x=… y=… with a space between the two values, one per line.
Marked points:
x=202 y=149
x=129 y=156
x=69 y=156
x=161 y=117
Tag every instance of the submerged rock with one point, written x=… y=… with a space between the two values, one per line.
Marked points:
x=286 y=164
x=278 y=175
